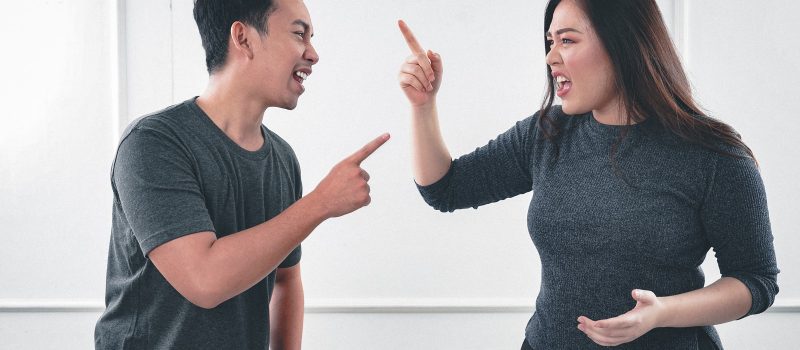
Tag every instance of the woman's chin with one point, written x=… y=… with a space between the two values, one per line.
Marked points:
x=568 y=108
x=571 y=109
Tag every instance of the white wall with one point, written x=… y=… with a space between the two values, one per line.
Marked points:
x=59 y=119
x=394 y=275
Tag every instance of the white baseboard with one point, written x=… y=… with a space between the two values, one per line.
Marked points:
x=347 y=306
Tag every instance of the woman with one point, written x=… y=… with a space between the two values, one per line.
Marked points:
x=632 y=184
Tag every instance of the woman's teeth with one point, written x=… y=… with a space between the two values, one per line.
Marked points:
x=560 y=80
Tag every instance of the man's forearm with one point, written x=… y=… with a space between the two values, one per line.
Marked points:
x=236 y=262
x=208 y=271
x=286 y=310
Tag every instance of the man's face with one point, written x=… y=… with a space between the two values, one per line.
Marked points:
x=282 y=59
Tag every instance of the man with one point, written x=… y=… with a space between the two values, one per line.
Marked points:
x=208 y=215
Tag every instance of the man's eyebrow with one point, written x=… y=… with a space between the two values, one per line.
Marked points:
x=562 y=31
x=303 y=24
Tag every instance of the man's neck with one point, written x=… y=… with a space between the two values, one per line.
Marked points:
x=234 y=111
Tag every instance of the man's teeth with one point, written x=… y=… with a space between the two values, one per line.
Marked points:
x=302 y=75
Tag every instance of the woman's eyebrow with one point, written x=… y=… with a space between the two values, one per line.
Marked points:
x=562 y=31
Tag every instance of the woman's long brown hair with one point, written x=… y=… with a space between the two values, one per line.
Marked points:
x=648 y=74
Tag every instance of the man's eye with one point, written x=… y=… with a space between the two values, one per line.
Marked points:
x=301 y=34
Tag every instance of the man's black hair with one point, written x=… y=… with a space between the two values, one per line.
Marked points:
x=215 y=17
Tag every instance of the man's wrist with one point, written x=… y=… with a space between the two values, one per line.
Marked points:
x=314 y=207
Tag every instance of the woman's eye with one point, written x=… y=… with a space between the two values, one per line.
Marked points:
x=566 y=41
x=549 y=42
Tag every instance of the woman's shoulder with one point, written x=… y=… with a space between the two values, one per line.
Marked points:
x=715 y=154
x=710 y=144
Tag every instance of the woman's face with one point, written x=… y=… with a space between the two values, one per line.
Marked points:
x=579 y=63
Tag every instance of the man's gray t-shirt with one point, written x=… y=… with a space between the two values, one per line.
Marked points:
x=176 y=173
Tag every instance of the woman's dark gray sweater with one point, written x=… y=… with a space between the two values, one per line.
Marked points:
x=602 y=230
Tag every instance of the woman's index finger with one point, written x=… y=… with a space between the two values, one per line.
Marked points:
x=412 y=42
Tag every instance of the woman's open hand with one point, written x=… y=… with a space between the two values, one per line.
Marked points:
x=628 y=326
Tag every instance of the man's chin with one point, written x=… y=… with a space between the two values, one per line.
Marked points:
x=289 y=105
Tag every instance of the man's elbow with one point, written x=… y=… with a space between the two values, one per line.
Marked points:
x=204 y=302
x=204 y=294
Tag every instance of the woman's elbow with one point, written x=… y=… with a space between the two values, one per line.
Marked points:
x=440 y=204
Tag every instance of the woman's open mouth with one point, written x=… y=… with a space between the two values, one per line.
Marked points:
x=563 y=85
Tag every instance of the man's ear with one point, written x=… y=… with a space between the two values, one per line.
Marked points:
x=240 y=39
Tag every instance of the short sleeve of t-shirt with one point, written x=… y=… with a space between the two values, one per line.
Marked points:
x=292 y=259
x=157 y=187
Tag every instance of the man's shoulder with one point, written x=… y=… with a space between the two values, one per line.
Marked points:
x=167 y=120
x=279 y=144
x=272 y=135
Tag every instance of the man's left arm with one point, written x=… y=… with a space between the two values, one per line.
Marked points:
x=286 y=310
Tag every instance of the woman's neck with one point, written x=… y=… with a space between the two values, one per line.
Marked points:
x=613 y=113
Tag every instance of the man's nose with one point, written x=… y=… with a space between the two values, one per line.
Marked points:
x=311 y=54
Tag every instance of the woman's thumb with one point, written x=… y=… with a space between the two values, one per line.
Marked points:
x=644 y=296
x=436 y=61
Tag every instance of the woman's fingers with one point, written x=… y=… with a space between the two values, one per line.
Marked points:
x=422 y=62
x=418 y=72
x=407 y=80
x=436 y=63
x=412 y=42
x=600 y=338
x=421 y=71
x=621 y=321
x=425 y=63
x=417 y=50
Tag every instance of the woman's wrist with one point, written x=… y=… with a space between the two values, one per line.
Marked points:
x=664 y=316
x=424 y=109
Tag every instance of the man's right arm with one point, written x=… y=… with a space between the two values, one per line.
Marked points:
x=208 y=271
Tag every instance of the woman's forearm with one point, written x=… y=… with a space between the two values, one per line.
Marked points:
x=431 y=157
x=725 y=300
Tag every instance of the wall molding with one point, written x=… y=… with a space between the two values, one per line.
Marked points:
x=119 y=62
x=680 y=11
x=344 y=306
